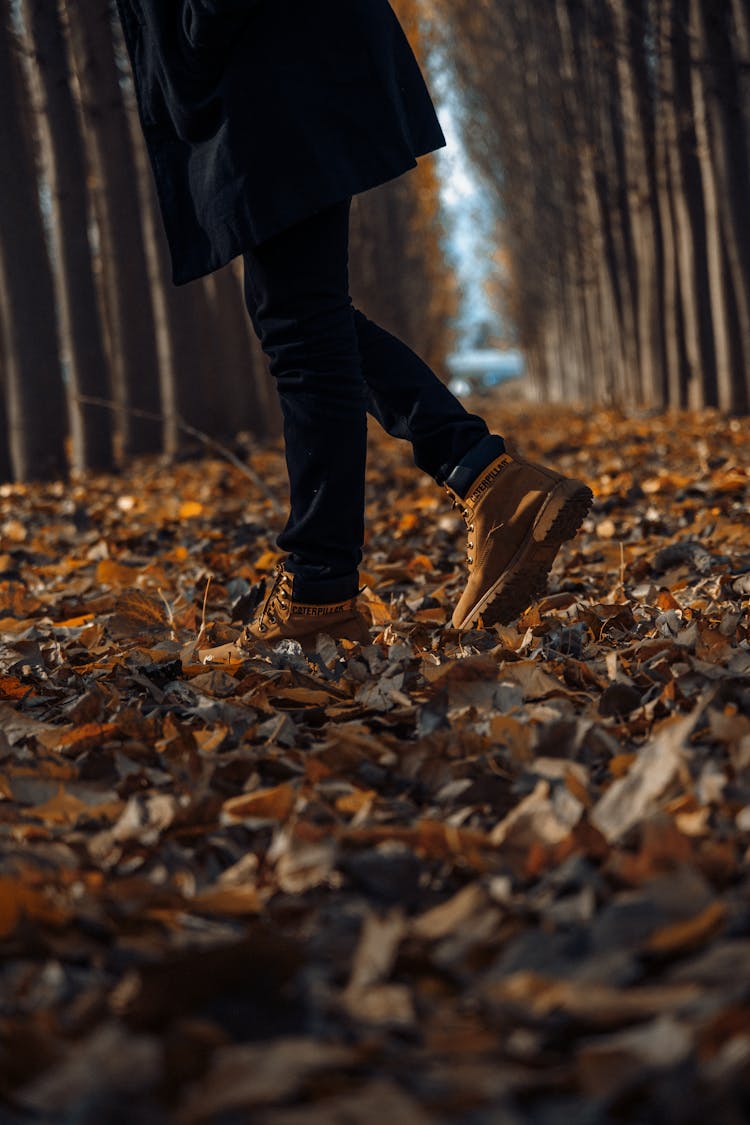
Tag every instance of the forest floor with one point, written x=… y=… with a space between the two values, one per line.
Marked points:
x=493 y=878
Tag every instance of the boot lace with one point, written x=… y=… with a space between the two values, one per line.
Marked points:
x=468 y=516
x=278 y=600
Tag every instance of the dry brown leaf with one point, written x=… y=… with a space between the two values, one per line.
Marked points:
x=13 y=688
x=449 y=916
x=17 y=901
x=109 y=572
x=352 y=803
x=683 y=936
x=236 y=901
x=656 y=765
x=62 y=809
x=137 y=614
x=245 y=1077
x=540 y=818
x=270 y=804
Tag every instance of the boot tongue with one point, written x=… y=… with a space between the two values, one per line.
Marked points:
x=473 y=463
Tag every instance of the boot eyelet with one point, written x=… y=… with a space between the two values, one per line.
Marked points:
x=262 y=628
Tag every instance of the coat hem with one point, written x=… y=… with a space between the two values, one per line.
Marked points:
x=229 y=242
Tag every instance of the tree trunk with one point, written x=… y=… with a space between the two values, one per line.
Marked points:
x=6 y=469
x=159 y=276
x=185 y=327
x=124 y=268
x=675 y=359
x=265 y=420
x=63 y=164
x=34 y=400
x=265 y=387
x=730 y=155
x=233 y=344
x=718 y=295
x=638 y=132
x=691 y=244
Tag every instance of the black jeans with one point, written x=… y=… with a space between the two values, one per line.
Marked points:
x=332 y=367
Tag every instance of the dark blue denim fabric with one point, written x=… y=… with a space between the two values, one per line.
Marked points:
x=332 y=367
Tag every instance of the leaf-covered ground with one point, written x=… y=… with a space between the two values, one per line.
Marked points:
x=496 y=878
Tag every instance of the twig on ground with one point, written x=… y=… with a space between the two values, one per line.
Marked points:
x=170 y=614
x=202 y=629
x=185 y=428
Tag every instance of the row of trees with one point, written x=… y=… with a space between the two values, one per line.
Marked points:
x=101 y=356
x=616 y=134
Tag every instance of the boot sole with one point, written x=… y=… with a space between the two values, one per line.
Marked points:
x=352 y=629
x=525 y=577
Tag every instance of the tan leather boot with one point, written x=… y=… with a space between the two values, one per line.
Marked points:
x=518 y=515
x=281 y=617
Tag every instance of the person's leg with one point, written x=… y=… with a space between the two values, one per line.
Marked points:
x=518 y=513
x=297 y=294
x=331 y=364
x=410 y=402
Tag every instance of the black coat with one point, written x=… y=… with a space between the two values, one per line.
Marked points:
x=257 y=113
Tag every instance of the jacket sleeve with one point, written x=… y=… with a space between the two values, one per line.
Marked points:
x=211 y=25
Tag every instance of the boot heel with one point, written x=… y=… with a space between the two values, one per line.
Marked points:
x=563 y=513
x=354 y=630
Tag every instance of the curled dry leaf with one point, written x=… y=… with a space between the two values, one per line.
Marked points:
x=271 y=804
x=634 y=795
x=245 y=1077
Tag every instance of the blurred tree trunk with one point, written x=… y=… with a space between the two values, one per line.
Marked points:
x=64 y=170
x=189 y=313
x=222 y=337
x=728 y=125
x=638 y=131
x=34 y=400
x=202 y=399
x=123 y=257
x=178 y=311
x=617 y=280
x=192 y=320
x=689 y=209
x=718 y=282
x=265 y=386
x=606 y=280
x=399 y=274
x=156 y=254
x=265 y=412
x=231 y=338
x=677 y=362
x=6 y=469
x=741 y=38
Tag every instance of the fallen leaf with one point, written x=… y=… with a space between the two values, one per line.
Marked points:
x=684 y=936
x=244 y=1077
x=266 y=804
x=656 y=765
x=62 y=809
